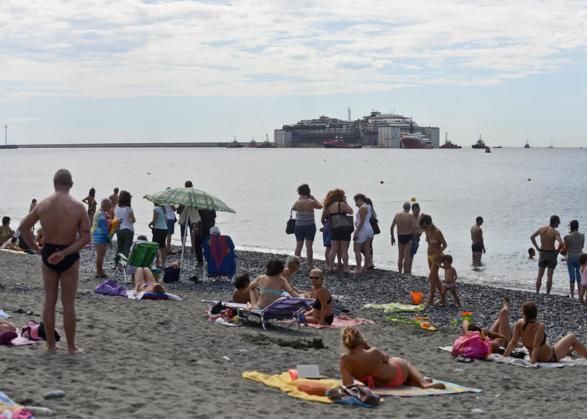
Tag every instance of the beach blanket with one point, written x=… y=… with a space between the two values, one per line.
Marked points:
x=525 y=363
x=410 y=391
x=341 y=322
x=132 y=295
x=11 y=410
x=397 y=307
x=284 y=383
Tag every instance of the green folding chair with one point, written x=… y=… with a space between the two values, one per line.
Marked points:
x=141 y=255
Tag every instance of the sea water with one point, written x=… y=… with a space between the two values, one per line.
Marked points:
x=515 y=190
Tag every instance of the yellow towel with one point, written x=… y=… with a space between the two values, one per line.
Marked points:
x=284 y=383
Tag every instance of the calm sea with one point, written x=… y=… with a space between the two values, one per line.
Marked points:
x=515 y=190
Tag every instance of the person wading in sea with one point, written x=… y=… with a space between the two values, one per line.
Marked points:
x=477 y=244
x=66 y=229
x=405 y=234
x=548 y=253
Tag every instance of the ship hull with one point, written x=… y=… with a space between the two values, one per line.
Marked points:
x=414 y=144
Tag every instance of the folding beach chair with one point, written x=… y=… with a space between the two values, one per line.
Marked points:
x=141 y=255
x=284 y=308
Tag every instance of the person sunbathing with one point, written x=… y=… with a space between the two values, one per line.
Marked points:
x=242 y=294
x=321 y=312
x=500 y=333
x=533 y=337
x=146 y=282
x=375 y=368
x=267 y=288
x=6 y=326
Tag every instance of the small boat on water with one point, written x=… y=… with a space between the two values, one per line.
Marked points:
x=487 y=149
x=449 y=144
x=252 y=144
x=480 y=144
x=234 y=144
x=527 y=145
x=339 y=143
x=266 y=143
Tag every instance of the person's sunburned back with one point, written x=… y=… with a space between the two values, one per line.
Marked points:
x=60 y=216
x=363 y=362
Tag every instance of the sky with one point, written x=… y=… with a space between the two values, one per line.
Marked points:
x=182 y=70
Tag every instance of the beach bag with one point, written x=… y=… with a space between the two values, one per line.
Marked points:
x=290 y=226
x=171 y=274
x=342 y=223
x=375 y=225
x=471 y=345
x=355 y=394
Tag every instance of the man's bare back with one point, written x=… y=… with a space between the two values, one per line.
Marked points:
x=476 y=234
x=405 y=223
x=548 y=236
x=61 y=218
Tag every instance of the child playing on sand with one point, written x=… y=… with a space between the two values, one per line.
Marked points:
x=450 y=281
x=583 y=269
x=242 y=295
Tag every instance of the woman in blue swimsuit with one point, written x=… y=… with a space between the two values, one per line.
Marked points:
x=267 y=288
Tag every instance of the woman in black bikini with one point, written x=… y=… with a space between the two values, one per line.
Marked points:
x=321 y=312
x=534 y=339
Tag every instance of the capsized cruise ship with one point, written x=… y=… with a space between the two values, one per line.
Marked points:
x=374 y=130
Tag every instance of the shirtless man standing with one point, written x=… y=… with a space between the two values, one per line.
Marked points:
x=548 y=253
x=66 y=228
x=477 y=246
x=406 y=229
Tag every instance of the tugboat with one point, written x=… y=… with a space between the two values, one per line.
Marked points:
x=480 y=144
x=339 y=143
x=234 y=144
x=448 y=143
x=266 y=143
x=252 y=144
x=527 y=145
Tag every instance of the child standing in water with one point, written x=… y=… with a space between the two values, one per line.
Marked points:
x=450 y=281
x=583 y=269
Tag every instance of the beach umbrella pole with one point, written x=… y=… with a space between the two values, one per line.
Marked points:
x=185 y=231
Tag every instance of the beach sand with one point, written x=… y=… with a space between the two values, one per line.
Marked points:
x=163 y=359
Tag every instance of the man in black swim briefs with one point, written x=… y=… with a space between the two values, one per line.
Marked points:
x=478 y=245
x=406 y=229
x=48 y=249
x=66 y=229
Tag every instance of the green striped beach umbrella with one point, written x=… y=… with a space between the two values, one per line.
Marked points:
x=189 y=197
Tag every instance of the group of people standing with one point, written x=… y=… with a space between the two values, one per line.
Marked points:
x=338 y=228
x=162 y=225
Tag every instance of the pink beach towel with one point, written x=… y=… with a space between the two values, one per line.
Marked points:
x=341 y=322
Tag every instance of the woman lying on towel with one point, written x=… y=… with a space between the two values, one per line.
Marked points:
x=375 y=368
x=321 y=312
x=146 y=282
x=269 y=287
x=534 y=339
x=6 y=326
x=500 y=333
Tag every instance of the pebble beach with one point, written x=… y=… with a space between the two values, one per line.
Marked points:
x=165 y=359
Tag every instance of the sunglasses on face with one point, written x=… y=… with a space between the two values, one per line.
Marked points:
x=314 y=277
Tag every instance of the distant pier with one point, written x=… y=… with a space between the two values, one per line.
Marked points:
x=122 y=145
